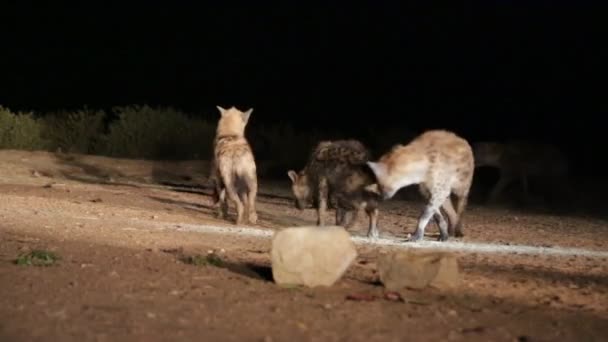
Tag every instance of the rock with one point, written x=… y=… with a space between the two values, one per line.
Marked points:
x=311 y=256
x=416 y=269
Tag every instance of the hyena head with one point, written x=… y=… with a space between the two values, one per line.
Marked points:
x=385 y=186
x=232 y=121
x=487 y=153
x=300 y=188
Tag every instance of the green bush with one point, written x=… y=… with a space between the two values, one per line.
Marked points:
x=75 y=132
x=157 y=133
x=154 y=133
x=21 y=131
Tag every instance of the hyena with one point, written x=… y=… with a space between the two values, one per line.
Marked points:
x=442 y=164
x=337 y=170
x=520 y=161
x=233 y=166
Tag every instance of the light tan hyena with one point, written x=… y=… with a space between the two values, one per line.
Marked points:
x=442 y=164
x=233 y=166
x=337 y=170
x=520 y=161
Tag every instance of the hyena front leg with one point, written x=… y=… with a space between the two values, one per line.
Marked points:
x=372 y=212
x=323 y=192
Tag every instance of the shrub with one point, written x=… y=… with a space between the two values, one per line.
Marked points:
x=20 y=131
x=75 y=132
x=157 y=133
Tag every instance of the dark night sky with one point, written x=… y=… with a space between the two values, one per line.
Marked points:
x=419 y=65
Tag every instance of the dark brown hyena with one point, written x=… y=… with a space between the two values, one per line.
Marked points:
x=233 y=167
x=338 y=170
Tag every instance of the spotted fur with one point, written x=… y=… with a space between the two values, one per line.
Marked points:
x=337 y=170
x=233 y=167
x=442 y=164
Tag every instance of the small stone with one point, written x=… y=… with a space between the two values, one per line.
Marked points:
x=418 y=269
x=311 y=256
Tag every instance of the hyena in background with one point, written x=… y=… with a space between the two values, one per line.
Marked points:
x=338 y=170
x=233 y=166
x=442 y=164
x=520 y=161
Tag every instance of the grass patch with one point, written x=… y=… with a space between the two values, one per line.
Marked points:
x=37 y=258
x=202 y=260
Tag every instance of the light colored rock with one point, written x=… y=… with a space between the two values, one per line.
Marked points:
x=311 y=256
x=448 y=275
x=417 y=269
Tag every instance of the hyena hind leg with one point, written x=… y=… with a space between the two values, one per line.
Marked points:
x=446 y=210
x=432 y=209
x=252 y=214
x=235 y=198
x=222 y=204
x=340 y=215
x=461 y=204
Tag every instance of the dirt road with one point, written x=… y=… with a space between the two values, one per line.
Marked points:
x=123 y=274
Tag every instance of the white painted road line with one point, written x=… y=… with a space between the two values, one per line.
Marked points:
x=470 y=247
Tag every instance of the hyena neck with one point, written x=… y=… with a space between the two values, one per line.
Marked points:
x=228 y=136
x=413 y=173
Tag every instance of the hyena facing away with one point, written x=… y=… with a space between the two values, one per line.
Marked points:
x=442 y=164
x=233 y=166
x=519 y=160
x=337 y=169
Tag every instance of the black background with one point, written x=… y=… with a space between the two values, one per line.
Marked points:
x=487 y=70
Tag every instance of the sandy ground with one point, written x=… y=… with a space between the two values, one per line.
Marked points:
x=122 y=232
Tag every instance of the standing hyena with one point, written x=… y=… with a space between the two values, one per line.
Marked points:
x=520 y=161
x=338 y=170
x=233 y=167
x=442 y=164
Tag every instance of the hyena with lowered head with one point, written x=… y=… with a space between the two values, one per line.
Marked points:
x=338 y=170
x=442 y=164
x=520 y=161
x=233 y=166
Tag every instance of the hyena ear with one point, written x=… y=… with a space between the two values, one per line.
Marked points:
x=373 y=188
x=247 y=114
x=222 y=110
x=378 y=168
x=292 y=175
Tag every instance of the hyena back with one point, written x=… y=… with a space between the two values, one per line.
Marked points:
x=338 y=169
x=521 y=161
x=233 y=167
x=442 y=164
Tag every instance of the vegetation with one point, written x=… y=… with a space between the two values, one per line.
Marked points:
x=145 y=132
x=201 y=260
x=37 y=258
